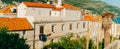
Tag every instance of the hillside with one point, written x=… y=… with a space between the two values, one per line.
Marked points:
x=96 y=6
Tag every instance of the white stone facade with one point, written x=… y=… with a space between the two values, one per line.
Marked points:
x=56 y=23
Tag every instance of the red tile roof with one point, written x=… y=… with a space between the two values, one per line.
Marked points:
x=7 y=9
x=15 y=24
x=34 y=4
x=91 y=18
x=70 y=7
x=58 y=9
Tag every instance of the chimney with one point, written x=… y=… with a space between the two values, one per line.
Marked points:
x=59 y=3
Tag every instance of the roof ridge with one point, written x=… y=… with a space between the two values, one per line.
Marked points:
x=37 y=4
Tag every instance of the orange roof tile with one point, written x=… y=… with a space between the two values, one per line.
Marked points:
x=90 y=18
x=34 y=4
x=70 y=7
x=1 y=10
x=7 y=9
x=58 y=9
x=15 y=24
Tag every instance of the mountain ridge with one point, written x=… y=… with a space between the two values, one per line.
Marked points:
x=96 y=6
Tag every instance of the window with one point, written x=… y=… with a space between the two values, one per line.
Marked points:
x=62 y=28
x=52 y=40
x=53 y=28
x=83 y=24
x=55 y=13
x=33 y=9
x=24 y=33
x=70 y=26
x=50 y=13
x=41 y=29
x=77 y=25
x=14 y=10
x=39 y=12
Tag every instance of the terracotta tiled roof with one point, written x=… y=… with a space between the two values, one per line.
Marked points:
x=34 y=4
x=7 y=9
x=70 y=7
x=58 y=9
x=15 y=24
x=1 y=10
x=91 y=18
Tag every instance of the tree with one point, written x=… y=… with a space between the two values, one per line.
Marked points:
x=12 y=1
x=43 y=1
x=69 y=42
x=11 y=40
x=107 y=22
x=7 y=2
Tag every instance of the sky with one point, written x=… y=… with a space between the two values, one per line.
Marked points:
x=112 y=2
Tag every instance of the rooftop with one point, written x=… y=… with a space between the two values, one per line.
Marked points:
x=15 y=24
x=35 y=4
x=7 y=9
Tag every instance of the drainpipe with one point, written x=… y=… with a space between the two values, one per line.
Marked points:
x=34 y=37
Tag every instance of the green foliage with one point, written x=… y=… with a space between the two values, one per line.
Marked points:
x=44 y=1
x=70 y=42
x=7 y=2
x=11 y=41
x=101 y=44
x=3 y=29
x=12 y=1
x=54 y=46
x=24 y=0
x=91 y=45
x=113 y=38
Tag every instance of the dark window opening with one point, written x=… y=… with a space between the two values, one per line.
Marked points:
x=83 y=24
x=41 y=29
x=23 y=32
x=62 y=27
x=52 y=40
x=14 y=10
x=52 y=28
x=50 y=13
x=70 y=26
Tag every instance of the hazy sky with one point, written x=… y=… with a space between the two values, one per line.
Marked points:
x=113 y=2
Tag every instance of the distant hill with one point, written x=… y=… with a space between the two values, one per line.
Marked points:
x=96 y=6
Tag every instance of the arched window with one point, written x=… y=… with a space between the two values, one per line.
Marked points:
x=62 y=28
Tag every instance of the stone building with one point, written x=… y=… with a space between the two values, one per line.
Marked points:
x=57 y=19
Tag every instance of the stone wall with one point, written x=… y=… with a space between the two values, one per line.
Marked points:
x=114 y=45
